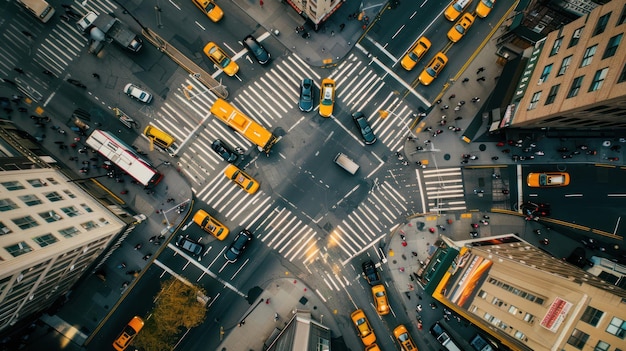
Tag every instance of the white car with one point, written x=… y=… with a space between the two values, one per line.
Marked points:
x=137 y=93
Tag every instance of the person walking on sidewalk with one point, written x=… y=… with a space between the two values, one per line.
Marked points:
x=481 y=69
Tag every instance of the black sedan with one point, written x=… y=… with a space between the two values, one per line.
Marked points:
x=259 y=52
x=238 y=246
x=224 y=151
x=370 y=272
x=305 y=104
x=364 y=127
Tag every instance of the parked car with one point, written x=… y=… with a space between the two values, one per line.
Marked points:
x=415 y=54
x=370 y=272
x=241 y=178
x=190 y=246
x=221 y=59
x=137 y=93
x=224 y=151
x=460 y=28
x=305 y=104
x=434 y=67
x=259 y=52
x=547 y=180
x=364 y=128
x=209 y=8
x=327 y=97
x=128 y=334
x=363 y=327
x=238 y=246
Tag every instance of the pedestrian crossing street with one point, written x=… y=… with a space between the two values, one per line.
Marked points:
x=444 y=189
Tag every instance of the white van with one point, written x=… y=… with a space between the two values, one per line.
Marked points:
x=346 y=163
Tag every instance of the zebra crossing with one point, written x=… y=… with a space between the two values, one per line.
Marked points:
x=370 y=221
x=444 y=189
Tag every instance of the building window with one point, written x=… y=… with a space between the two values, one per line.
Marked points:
x=566 y=61
x=601 y=25
x=535 y=100
x=30 y=200
x=37 y=183
x=592 y=316
x=622 y=76
x=4 y=230
x=552 y=94
x=13 y=185
x=545 y=73
x=529 y=318
x=54 y=196
x=575 y=37
x=71 y=211
x=87 y=208
x=573 y=91
x=7 y=205
x=617 y=327
x=25 y=222
x=622 y=17
x=556 y=46
x=70 y=194
x=18 y=249
x=50 y=216
x=578 y=339
x=89 y=225
x=598 y=79
x=520 y=335
x=69 y=232
x=513 y=310
x=611 y=47
x=45 y=240
x=588 y=55
x=602 y=346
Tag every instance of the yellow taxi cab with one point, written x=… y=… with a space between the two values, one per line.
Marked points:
x=363 y=327
x=327 y=97
x=209 y=8
x=404 y=339
x=484 y=7
x=456 y=8
x=210 y=225
x=380 y=299
x=433 y=69
x=415 y=54
x=372 y=347
x=547 y=180
x=128 y=334
x=240 y=178
x=158 y=137
x=220 y=59
x=460 y=28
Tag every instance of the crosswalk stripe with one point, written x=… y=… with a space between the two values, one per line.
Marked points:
x=299 y=228
x=283 y=235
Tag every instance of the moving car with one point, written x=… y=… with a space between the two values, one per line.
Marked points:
x=240 y=178
x=128 y=334
x=238 y=246
x=364 y=128
x=415 y=54
x=456 y=8
x=404 y=339
x=460 y=28
x=305 y=104
x=327 y=97
x=259 y=52
x=371 y=274
x=210 y=225
x=484 y=7
x=189 y=245
x=224 y=151
x=209 y=8
x=548 y=179
x=372 y=347
x=380 y=299
x=158 y=137
x=434 y=67
x=220 y=59
x=363 y=327
x=137 y=93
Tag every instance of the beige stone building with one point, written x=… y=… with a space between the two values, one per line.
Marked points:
x=530 y=300
x=576 y=77
x=317 y=11
x=51 y=229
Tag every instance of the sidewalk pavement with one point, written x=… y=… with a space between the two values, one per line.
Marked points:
x=285 y=296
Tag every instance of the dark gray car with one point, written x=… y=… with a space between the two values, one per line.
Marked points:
x=305 y=104
x=224 y=151
x=364 y=128
x=259 y=52
x=238 y=246
x=192 y=247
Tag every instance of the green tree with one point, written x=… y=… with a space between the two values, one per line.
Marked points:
x=179 y=306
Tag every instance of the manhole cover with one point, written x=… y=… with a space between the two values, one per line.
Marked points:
x=482 y=147
x=446 y=157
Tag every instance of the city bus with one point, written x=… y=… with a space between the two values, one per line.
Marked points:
x=124 y=157
x=39 y=8
x=245 y=125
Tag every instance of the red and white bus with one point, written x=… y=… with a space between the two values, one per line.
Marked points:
x=124 y=157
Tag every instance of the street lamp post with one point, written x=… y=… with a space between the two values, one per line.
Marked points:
x=243 y=320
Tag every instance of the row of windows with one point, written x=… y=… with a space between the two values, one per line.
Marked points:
x=35 y=183
x=22 y=247
x=528 y=318
x=31 y=200
x=592 y=316
x=596 y=84
x=521 y=293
